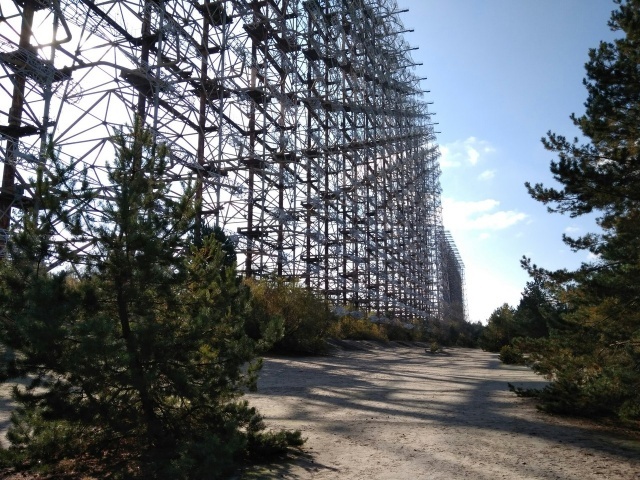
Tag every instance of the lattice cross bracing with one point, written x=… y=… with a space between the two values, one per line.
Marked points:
x=301 y=120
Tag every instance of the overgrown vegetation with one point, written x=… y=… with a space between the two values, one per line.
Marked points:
x=136 y=344
x=357 y=327
x=511 y=355
x=536 y=315
x=308 y=321
x=306 y=318
x=591 y=347
x=447 y=332
x=452 y=333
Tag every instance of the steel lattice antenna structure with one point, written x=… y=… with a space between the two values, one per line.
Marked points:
x=453 y=284
x=301 y=121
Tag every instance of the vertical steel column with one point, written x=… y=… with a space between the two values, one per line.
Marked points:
x=14 y=122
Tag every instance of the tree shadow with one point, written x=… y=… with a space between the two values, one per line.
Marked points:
x=464 y=388
x=282 y=468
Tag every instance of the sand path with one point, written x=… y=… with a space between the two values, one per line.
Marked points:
x=400 y=413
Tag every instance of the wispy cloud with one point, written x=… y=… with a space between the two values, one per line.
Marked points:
x=480 y=215
x=464 y=152
x=496 y=220
x=487 y=175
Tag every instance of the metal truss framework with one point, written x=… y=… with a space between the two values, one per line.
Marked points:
x=301 y=121
x=453 y=280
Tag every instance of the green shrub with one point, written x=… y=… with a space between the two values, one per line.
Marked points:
x=397 y=332
x=511 y=355
x=306 y=318
x=351 y=328
x=583 y=384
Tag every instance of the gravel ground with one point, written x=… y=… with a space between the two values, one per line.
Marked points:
x=396 y=412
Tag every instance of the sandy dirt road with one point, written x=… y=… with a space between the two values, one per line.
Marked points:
x=401 y=413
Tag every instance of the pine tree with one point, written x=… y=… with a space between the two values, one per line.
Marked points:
x=500 y=329
x=594 y=358
x=538 y=312
x=136 y=343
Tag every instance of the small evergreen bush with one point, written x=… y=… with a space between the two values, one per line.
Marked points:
x=511 y=355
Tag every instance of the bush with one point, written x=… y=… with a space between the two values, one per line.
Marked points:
x=400 y=333
x=306 y=318
x=351 y=328
x=450 y=333
x=593 y=391
x=466 y=341
x=584 y=384
x=511 y=356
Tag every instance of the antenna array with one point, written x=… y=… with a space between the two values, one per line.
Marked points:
x=301 y=121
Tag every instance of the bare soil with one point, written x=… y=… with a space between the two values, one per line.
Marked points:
x=372 y=411
x=376 y=411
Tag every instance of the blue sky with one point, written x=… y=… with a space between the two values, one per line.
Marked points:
x=501 y=73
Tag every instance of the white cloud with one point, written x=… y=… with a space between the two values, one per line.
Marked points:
x=496 y=221
x=467 y=208
x=447 y=159
x=571 y=229
x=473 y=155
x=479 y=215
x=487 y=175
x=464 y=152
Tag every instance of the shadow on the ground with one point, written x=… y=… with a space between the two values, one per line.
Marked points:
x=365 y=382
x=282 y=468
